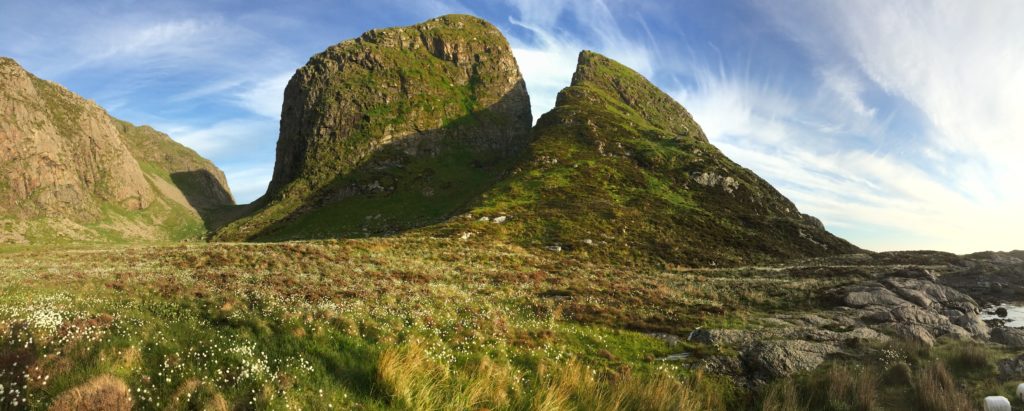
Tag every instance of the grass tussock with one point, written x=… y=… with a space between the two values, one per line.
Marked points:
x=970 y=358
x=936 y=390
x=573 y=385
x=414 y=380
x=839 y=388
x=103 y=393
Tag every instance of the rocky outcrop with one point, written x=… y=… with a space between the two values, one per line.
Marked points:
x=620 y=171
x=767 y=360
x=61 y=154
x=424 y=116
x=905 y=304
x=1010 y=337
x=203 y=184
x=1011 y=368
x=71 y=172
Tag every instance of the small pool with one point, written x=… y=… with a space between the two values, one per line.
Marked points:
x=1014 y=314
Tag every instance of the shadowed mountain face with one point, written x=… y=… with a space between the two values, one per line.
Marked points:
x=396 y=129
x=620 y=171
x=70 y=172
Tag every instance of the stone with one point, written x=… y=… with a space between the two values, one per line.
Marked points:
x=1011 y=368
x=777 y=359
x=863 y=295
x=499 y=219
x=1010 y=337
x=911 y=332
x=718 y=337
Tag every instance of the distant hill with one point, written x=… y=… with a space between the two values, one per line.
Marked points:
x=399 y=128
x=70 y=172
x=620 y=171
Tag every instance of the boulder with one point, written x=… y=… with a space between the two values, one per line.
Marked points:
x=1011 y=368
x=775 y=359
x=929 y=292
x=911 y=332
x=869 y=294
x=1010 y=337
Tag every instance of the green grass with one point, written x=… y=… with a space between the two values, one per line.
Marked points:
x=222 y=321
x=447 y=108
x=424 y=191
x=419 y=322
x=954 y=376
x=616 y=173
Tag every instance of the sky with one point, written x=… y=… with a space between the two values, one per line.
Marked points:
x=898 y=123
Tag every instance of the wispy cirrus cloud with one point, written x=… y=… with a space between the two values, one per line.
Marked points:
x=905 y=139
x=555 y=31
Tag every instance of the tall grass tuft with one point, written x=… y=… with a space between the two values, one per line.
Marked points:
x=413 y=380
x=936 y=390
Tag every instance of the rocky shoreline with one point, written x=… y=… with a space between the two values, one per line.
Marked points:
x=920 y=303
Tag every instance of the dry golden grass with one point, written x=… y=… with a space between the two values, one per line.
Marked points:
x=937 y=390
x=103 y=393
x=852 y=388
x=415 y=381
x=783 y=396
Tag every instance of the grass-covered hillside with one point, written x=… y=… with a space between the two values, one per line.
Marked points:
x=423 y=323
x=69 y=172
x=398 y=128
x=619 y=171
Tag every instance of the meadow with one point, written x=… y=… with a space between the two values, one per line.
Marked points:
x=419 y=323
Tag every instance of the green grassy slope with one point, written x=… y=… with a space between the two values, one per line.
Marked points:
x=47 y=127
x=409 y=324
x=621 y=172
x=406 y=122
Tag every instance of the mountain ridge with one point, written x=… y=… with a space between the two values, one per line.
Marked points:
x=72 y=172
x=394 y=129
x=620 y=171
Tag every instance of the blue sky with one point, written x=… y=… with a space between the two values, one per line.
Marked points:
x=899 y=123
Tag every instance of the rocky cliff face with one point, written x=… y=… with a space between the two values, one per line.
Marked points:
x=394 y=129
x=621 y=171
x=60 y=152
x=69 y=171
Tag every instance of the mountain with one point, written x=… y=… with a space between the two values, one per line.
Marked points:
x=399 y=128
x=620 y=171
x=71 y=172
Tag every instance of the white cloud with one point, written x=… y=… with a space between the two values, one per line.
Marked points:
x=962 y=66
x=952 y=188
x=265 y=97
x=224 y=138
x=547 y=57
x=848 y=89
x=248 y=181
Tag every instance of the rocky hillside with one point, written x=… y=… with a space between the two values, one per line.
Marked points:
x=71 y=172
x=398 y=128
x=619 y=171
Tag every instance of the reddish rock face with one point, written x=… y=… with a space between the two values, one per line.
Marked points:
x=67 y=164
x=61 y=153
